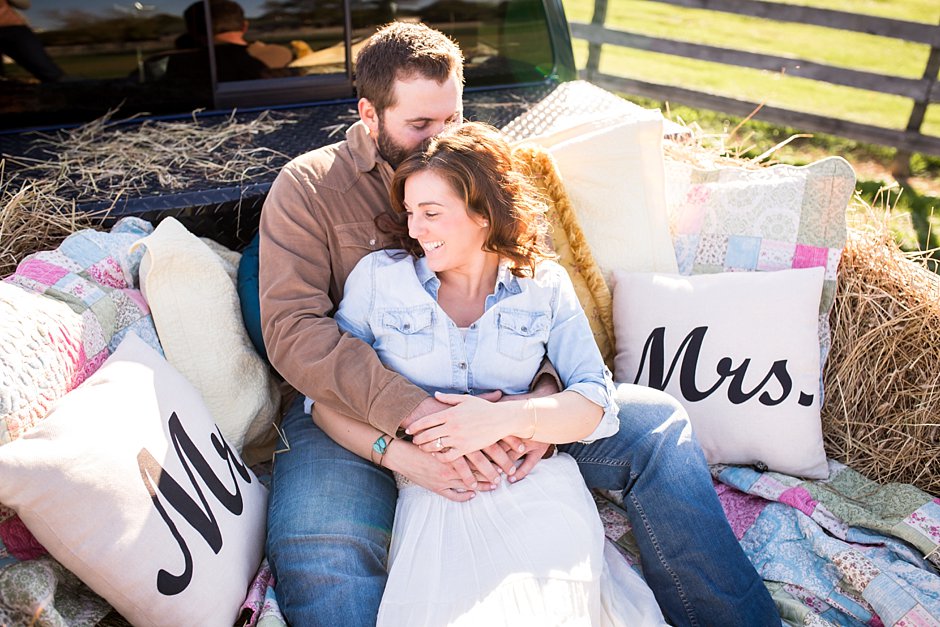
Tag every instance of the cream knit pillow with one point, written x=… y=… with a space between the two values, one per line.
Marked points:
x=191 y=292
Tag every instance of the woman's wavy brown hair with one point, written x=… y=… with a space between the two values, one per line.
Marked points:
x=477 y=163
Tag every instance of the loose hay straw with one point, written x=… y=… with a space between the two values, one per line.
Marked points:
x=101 y=162
x=34 y=217
x=93 y=160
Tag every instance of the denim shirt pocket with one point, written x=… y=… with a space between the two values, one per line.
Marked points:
x=408 y=331
x=521 y=333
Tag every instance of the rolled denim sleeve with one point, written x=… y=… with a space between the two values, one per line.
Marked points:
x=574 y=353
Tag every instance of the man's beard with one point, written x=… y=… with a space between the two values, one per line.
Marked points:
x=392 y=152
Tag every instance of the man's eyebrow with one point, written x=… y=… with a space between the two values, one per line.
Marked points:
x=455 y=114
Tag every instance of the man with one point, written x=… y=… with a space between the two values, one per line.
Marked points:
x=233 y=60
x=20 y=43
x=331 y=512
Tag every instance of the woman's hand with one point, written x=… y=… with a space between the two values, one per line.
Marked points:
x=432 y=473
x=471 y=424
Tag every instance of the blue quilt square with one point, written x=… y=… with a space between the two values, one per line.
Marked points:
x=743 y=252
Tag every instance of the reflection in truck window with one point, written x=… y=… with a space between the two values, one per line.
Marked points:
x=147 y=56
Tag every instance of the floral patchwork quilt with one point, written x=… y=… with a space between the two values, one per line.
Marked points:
x=843 y=551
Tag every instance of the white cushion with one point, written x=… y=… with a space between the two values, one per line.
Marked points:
x=191 y=292
x=112 y=483
x=612 y=169
x=688 y=335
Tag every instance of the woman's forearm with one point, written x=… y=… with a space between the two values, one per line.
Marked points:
x=353 y=435
x=557 y=419
x=358 y=437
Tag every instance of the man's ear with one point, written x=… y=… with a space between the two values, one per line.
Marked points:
x=369 y=115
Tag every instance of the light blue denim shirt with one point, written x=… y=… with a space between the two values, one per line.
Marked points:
x=390 y=302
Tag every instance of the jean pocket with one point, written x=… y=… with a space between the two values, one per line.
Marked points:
x=408 y=332
x=521 y=333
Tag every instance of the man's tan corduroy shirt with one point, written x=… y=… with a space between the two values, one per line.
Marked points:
x=317 y=223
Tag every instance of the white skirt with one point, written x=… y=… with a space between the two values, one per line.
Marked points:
x=531 y=553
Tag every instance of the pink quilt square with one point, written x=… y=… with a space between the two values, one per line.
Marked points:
x=810 y=256
x=741 y=510
x=41 y=271
x=108 y=272
x=799 y=498
x=690 y=214
x=775 y=255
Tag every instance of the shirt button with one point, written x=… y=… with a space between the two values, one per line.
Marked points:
x=406 y=326
x=463 y=365
x=371 y=242
x=473 y=326
x=525 y=329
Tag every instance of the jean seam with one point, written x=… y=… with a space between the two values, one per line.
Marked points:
x=690 y=613
x=618 y=463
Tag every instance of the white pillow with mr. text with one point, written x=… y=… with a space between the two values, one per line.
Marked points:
x=740 y=351
x=129 y=484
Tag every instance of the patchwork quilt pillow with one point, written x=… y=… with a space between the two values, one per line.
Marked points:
x=62 y=312
x=130 y=485
x=741 y=353
x=730 y=219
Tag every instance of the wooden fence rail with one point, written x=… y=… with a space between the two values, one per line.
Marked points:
x=922 y=91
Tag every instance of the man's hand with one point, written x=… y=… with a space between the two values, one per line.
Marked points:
x=428 y=406
x=431 y=405
x=431 y=473
x=534 y=453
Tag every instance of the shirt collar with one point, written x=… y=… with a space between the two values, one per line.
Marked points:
x=426 y=276
x=364 y=152
x=431 y=284
x=507 y=279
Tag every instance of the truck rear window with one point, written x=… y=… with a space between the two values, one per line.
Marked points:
x=153 y=57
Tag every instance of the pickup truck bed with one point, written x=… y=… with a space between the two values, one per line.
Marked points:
x=206 y=207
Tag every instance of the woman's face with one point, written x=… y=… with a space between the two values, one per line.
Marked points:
x=440 y=221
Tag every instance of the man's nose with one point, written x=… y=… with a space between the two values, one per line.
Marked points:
x=434 y=128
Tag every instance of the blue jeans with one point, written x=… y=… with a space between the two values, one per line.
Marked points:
x=330 y=517
x=690 y=557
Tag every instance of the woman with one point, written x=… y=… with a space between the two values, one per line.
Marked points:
x=471 y=304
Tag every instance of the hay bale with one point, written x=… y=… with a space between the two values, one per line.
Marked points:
x=882 y=379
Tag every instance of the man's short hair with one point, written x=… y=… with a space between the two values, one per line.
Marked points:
x=227 y=16
x=402 y=50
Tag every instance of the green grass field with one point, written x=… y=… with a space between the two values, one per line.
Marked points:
x=838 y=48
